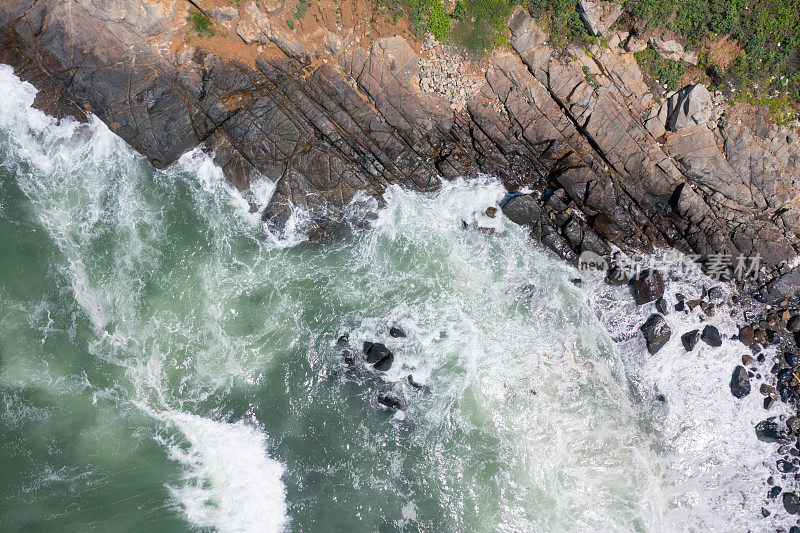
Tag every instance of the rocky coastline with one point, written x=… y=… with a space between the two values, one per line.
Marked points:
x=326 y=113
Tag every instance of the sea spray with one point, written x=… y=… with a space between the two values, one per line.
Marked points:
x=200 y=356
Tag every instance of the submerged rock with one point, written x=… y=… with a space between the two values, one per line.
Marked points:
x=397 y=332
x=711 y=336
x=689 y=340
x=740 y=382
x=656 y=333
x=415 y=384
x=391 y=401
x=343 y=340
x=648 y=286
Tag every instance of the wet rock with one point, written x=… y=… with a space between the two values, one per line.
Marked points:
x=598 y=16
x=768 y=431
x=715 y=295
x=793 y=325
x=791 y=503
x=747 y=360
x=348 y=357
x=384 y=363
x=617 y=277
x=661 y=306
x=747 y=335
x=708 y=308
x=576 y=281
x=656 y=333
x=397 y=332
x=491 y=212
x=414 y=383
x=343 y=340
x=680 y=306
x=774 y=491
x=689 y=339
x=768 y=401
x=391 y=401
x=711 y=336
x=375 y=352
x=740 y=382
x=764 y=512
x=648 y=286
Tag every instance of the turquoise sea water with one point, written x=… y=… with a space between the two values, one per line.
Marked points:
x=168 y=365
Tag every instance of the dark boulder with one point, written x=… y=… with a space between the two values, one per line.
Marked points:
x=784 y=466
x=648 y=286
x=711 y=336
x=791 y=503
x=690 y=339
x=793 y=324
x=740 y=382
x=768 y=431
x=375 y=351
x=616 y=277
x=523 y=210
x=661 y=306
x=385 y=363
x=397 y=332
x=656 y=333
x=391 y=401
x=774 y=491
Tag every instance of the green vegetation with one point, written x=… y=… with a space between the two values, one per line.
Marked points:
x=481 y=24
x=302 y=7
x=767 y=72
x=200 y=24
x=477 y=25
x=666 y=71
x=561 y=19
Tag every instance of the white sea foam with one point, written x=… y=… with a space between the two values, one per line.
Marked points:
x=231 y=483
x=567 y=419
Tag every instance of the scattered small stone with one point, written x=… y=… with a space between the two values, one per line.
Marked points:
x=656 y=333
x=690 y=339
x=711 y=336
x=491 y=212
x=693 y=303
x=768 y=401
x=680 y=306
x=747 y=336
x=715 y=294
x=774 y=491
x=708 y=308
x=764 y=512
x=740 y=382
x=747 y=360
x=397 y=332
x=576 y=281
x=766 y=390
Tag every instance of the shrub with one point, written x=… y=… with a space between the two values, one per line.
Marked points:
x=665 y=71
x=561 y=19
x=481 y=24
x=302 y=7
x=200 y=24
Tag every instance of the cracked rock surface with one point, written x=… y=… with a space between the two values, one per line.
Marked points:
x=325 y=125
